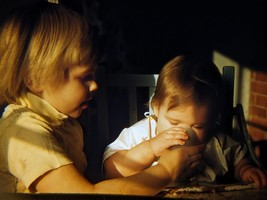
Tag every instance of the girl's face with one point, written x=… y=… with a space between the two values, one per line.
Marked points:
x=74 y=94
x=188 y=114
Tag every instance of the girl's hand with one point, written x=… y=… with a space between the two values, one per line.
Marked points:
x=182 y=160
x=168 y=138
x=251 y=174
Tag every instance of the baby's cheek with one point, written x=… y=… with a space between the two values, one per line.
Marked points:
x=201 y=136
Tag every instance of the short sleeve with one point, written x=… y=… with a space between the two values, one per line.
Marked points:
x=124 y=141
x=33 y=150
x=128 y=138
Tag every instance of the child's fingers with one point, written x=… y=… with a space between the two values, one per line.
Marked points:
x=174 y=130
x=174 y=141
x=177 y=133
x=258 y=178
x=264 y=181
x=178 y=142
x=263 y=178
x=177 y=139
x=179 y=136
x=255 y=179
x=256 y=175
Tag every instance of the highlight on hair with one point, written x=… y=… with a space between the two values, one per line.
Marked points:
x=40 y=43
x=187 y=79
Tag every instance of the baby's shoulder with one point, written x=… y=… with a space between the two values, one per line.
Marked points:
x=224 y=139
x=144 y=124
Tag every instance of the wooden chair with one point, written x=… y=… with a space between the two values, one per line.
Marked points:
x=120 y=101
x=234 y=113
x=135 y=90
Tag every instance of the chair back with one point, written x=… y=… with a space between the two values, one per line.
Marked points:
x=122 y=97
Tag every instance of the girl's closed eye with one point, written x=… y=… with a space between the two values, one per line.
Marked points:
x=87 y=78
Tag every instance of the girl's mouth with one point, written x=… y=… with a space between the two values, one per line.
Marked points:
x=84 y=105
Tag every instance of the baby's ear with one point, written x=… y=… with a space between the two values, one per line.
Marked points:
x=31 y=86
x=155 y=109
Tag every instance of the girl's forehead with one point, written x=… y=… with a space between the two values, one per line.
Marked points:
x=82 y=69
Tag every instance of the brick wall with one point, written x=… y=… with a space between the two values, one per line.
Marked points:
x=257 y=113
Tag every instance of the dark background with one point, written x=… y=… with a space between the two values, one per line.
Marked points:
x=140 y=36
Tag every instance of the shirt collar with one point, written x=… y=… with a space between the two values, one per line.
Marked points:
x=43 y=108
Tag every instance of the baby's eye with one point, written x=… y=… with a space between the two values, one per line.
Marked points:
x=174 y=123
x=199 y=127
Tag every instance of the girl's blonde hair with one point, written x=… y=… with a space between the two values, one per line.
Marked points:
x=40 y=43
x=187 y=79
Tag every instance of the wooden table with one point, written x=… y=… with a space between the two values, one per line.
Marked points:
x=168 y=193
x=218 y=192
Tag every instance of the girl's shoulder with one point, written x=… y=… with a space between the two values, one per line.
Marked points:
x=19 y=117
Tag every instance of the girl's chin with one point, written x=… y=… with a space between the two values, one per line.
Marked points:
x=76 y=114
x=79 y=111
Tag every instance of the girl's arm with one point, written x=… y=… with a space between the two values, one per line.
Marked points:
x=172 y=164
x=129 y=162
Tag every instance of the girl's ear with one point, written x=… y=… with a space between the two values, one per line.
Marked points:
x=31 y=86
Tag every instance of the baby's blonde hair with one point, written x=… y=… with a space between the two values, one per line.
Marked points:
x=40 y=43
x=188 y=79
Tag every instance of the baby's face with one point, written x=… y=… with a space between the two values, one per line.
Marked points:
x=186 y=116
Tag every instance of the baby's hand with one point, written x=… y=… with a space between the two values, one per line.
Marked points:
x=254 y=175
x=170 y=137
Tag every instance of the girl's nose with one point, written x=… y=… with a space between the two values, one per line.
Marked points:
x=93 y=86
